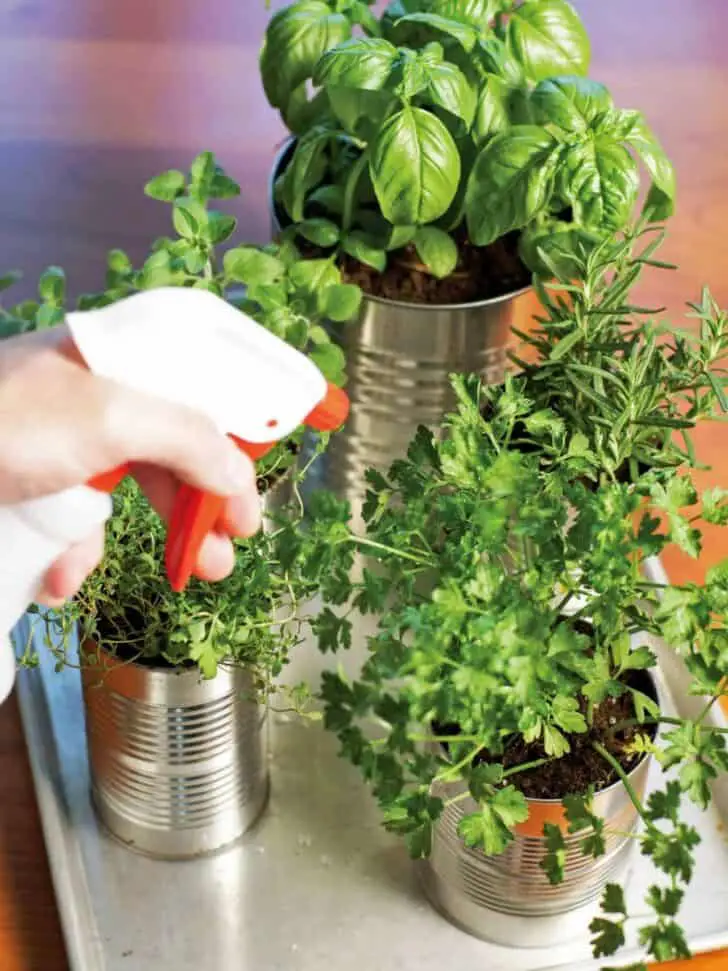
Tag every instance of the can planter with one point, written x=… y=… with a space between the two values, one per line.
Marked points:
x=398 y=360
x=508 y=899
x=178 y=765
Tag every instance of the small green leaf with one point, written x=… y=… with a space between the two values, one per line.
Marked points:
x=249 y=265
x=437 y=250
x=715 y=506
x=220 y=227
x=329 y=197
x=601 y=181
x=613 y=901
x=330 y=360
x=166 y=187
x=565 y=344
x=607 y=937
x=567 y=716
x=118 y=262
x=360 y=247
x=554 y=742
x=189 y=218
x=554 y=863
x=195 y=259
x=223 y=187
x=341 y=302
x=52 y=285
x=320 y=232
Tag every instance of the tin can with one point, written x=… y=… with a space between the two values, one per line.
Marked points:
x=508 y=899
x=399 y=358
x=178 y=764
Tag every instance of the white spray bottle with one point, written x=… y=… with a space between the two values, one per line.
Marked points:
x=192 y=348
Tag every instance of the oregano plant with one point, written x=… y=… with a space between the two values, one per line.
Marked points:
x=451 y=123
x=514 y=633
x=127 y=604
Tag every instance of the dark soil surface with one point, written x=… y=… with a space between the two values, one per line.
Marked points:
x=481 y=273
x=582 y=768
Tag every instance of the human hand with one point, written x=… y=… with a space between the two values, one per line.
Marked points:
x=60 y=426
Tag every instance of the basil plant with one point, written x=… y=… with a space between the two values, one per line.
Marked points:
x=447 y=120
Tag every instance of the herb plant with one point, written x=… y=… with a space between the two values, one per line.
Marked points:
x=631 y=386
x=514 y=627
x=452 y=121
x=127 y=604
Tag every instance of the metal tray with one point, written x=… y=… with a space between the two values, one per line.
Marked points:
x=318 y=884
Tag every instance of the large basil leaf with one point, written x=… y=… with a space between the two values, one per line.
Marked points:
x=464 y=33
x=301 y=112
x=602 y=183
x=572 y=103
x=448 y=88
x=364 y=62
x=548 y=38
x=414 y=167
x=491 y=114
x=494 y=57
x=511 y=182
x=359 y=111
x=296 y=38
x=660 y=202
x=305 y=170
x=476 y=12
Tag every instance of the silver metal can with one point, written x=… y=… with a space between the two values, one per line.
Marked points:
x=508 y=899
x=399 y=358
x=178 y=764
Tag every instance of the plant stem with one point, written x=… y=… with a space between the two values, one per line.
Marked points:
x=350 y=191
x=388 y=549
x=610 y=759
x=454 y=769
x=527 y=766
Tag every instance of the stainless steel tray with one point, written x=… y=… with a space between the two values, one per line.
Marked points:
x=318 y=884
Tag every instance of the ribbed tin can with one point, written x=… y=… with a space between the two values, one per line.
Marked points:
x=178 y=764
x=399 y=358
x=508 y=899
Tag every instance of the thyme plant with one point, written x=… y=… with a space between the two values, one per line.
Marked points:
x=126 y=605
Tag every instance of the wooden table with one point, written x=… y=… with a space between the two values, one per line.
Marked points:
x=95 y=97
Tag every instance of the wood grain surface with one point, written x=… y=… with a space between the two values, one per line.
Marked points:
x=95 y=97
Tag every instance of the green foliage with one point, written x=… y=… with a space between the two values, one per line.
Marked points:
x=127 y=602
x=506 y=586
x=453 y=115
x=630 y=387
